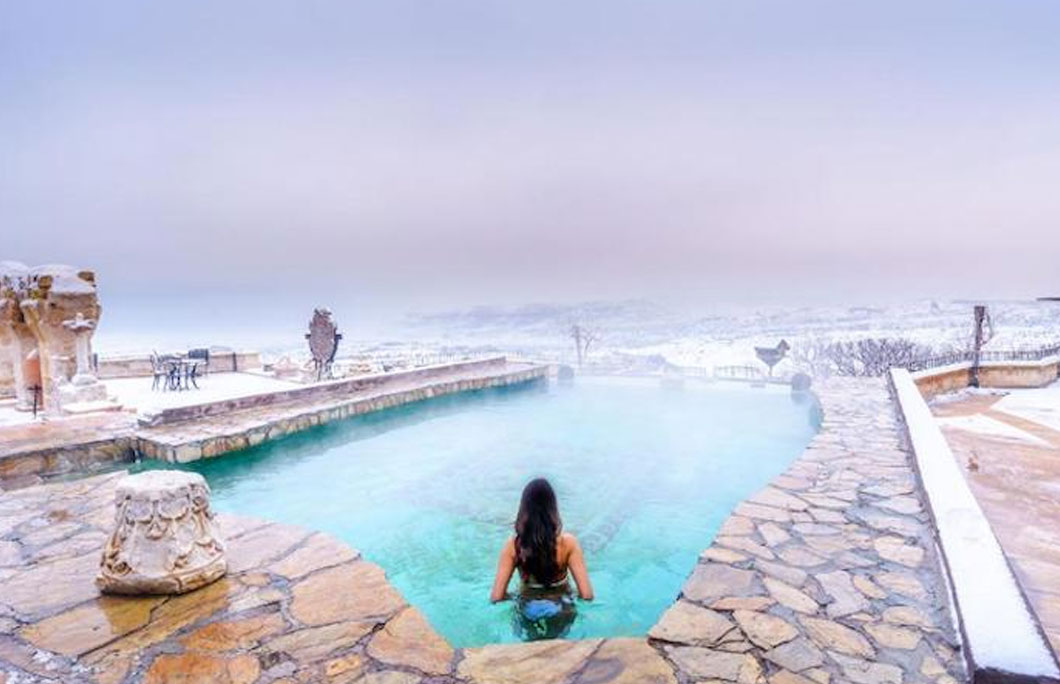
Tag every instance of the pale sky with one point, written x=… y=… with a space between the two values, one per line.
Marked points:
x=481 y=151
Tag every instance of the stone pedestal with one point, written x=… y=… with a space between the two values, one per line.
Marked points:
x=165 y=540
x=73 y=393
x=82 y=329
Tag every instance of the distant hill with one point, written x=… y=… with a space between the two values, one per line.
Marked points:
x=625 y=322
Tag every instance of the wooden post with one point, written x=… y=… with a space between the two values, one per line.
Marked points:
x=977 y=346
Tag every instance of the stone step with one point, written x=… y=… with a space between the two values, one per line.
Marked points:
x=80 y=408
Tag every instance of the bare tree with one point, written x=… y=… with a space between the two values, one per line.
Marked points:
x=812 y=355
x=584 y=338
x=874 y=356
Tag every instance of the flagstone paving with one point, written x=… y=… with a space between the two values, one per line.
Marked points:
x=32 y=453
x=827 y=575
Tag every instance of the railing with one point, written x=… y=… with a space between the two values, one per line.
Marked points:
x=738 y=373
x=953 y=358
x=695 y=371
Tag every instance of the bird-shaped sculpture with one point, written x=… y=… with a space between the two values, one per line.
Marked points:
x=771 y=356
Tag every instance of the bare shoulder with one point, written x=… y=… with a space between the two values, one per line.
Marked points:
x=568 y=541
x=509 y=547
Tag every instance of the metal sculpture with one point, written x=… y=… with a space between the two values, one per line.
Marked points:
x=771 y=356
x=323 y=339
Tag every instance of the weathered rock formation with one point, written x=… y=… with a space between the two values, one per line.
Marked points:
x=164 y=540
x=47 y=317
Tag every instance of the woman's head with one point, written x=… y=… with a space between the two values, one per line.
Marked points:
x=537 y=527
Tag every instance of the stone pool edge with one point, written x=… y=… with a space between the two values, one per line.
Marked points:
x=297 y=605
x=770 y=619
x=829 y=571
x=294 y=602
x=170 y=442
x=214 y=435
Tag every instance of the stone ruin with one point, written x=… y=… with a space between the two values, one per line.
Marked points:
x=165 y=540
x=47 y=317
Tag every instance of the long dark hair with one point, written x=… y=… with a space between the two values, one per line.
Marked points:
x=537 y=528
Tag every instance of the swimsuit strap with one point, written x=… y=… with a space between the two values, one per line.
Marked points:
x=533 y=584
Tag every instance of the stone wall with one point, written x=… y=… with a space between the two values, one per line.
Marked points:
x=182 y=442
x=153 y=444
x=139 y=365
x=18 y=470
x=1019 y=374
x=936 y=381
x=335 y=389
x=997 y=374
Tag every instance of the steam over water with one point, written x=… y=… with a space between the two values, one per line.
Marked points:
x=644 y=476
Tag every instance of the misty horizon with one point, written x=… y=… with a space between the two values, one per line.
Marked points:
x=409 y=156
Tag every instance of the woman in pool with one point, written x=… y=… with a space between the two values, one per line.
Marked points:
x=544 y=555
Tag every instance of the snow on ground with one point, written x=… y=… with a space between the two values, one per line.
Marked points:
x=703 y=335
x=9 y=416
x=706 y=353
x=985 y=425
x=136 y=393
x=1040 y=405
x=962 y=394
x=1001 y=630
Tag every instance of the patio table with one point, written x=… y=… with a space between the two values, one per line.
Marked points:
x=182 y=373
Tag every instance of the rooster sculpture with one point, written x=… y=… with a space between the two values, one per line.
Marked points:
x=771 y=356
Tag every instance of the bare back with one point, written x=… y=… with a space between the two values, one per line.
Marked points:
x=569 y=559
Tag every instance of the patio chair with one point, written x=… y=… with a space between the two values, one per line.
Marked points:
x=203 y=354
x=167 y=369
x=191 y=373
x=159 y=372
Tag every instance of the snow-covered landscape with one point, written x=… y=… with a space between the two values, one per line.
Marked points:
x=642 y=336
x=297 y=298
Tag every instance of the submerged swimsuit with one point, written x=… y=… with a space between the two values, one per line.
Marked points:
x=544 y=611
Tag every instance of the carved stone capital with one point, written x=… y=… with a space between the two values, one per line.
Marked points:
x=164 y=540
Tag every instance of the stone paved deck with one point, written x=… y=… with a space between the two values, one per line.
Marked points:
x=827 y=575
x=57 y=447
x=55 y=434
x=213 y=435
x=1018 y=486
x=296 y=606
x=32 y=453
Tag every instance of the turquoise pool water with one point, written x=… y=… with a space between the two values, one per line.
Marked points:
x=644 y=476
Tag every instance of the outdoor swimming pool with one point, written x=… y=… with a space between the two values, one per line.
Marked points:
x=644 y=475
